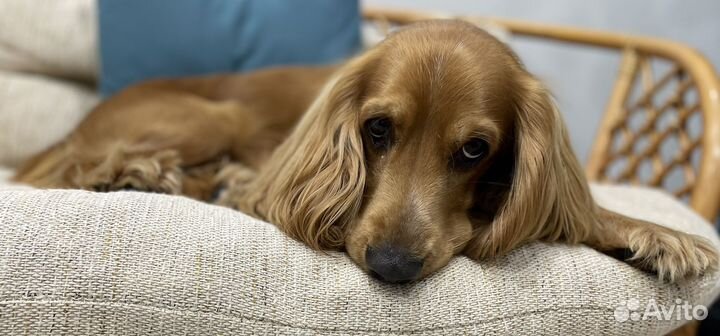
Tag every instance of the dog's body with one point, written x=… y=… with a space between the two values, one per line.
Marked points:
x=191 y=124
x=435 y=143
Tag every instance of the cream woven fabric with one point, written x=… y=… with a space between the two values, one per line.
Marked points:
x=75 y=262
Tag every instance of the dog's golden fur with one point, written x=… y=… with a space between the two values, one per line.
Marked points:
x=291 y=146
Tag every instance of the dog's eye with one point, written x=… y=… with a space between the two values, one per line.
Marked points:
x=379 y=130
x=470 y=153
x=474 y=149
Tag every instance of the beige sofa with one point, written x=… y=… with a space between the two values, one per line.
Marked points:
x=127 y=263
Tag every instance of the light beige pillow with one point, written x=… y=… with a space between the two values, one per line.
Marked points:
x=130 y=263
x=41 y=41
x=51 y=37
x=37 y=111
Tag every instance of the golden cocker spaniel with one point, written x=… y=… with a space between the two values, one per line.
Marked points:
x=436 y=142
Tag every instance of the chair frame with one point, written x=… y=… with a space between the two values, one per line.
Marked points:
x=702 y=180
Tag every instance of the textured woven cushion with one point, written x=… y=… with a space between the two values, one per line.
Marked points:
x=75 y=262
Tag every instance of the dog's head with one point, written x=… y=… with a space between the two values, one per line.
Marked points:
x=436 y=142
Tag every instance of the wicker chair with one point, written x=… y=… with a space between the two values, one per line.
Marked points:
x=660 y=131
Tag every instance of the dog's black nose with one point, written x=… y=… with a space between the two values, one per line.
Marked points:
x=393 y=264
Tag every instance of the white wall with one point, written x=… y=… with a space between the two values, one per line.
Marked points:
x=581 y=78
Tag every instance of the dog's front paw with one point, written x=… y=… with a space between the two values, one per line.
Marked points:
x=672 y=255
x=159 y=173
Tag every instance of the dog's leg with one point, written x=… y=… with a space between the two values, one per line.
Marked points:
x=107 y=168
x=153 y=172
x=231 y=184
x=671 y=254
x=143 y=143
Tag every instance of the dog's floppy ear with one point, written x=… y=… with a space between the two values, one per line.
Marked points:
x=313 y=183
x=548 y=197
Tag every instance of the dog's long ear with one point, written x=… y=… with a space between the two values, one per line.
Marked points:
x=313 y=183
x=548 y=198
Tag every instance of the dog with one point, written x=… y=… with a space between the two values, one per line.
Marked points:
x=434 y=143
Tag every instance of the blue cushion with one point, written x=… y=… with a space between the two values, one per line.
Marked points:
x=141 y=39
